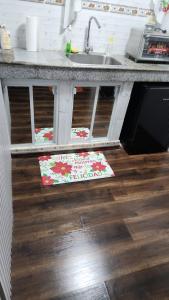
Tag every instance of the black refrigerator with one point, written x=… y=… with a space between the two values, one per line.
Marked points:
x=146 y=125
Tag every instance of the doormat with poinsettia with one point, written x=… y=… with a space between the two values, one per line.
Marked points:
x=45 y=135
x=65 y=168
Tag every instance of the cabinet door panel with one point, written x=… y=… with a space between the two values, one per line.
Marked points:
x=43 y=97
x=103 y=111
x=154 y=116
x=20 y=115
x=82 y=112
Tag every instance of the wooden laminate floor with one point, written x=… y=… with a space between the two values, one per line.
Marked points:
x=101 y=239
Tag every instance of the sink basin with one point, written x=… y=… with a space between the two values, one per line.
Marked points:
x=93 y=59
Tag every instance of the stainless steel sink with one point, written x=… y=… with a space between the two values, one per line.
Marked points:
x=93 y=59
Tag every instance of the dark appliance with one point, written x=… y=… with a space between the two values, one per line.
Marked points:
x=146 y=124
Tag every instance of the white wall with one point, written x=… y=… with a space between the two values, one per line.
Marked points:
x=13 y=13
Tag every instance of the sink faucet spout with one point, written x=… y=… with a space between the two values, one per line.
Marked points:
x=87 y=47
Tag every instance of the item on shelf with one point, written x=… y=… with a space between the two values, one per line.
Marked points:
x=32 y=34
x=110 y=44
x=5 y=38
x=68 y=36
x=165 y=5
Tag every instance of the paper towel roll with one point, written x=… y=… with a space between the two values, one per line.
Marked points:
x=32 y=33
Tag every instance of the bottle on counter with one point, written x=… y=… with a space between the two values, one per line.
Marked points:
x=5 y=38
x=110 y=46
x=68 y=36
x=68 y=48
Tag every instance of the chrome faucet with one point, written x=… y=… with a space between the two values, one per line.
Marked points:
x=87 y=47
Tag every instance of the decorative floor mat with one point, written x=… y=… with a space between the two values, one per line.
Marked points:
x=66 y=168
x=45 y=135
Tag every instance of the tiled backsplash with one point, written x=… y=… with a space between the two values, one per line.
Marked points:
x=13 y=13
x=116 y=8
x=53 y=2
x=104 y=6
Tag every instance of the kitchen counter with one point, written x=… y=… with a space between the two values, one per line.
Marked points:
x=53 y=65
x=52 y=68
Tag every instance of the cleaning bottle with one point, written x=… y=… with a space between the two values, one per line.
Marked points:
x=109 y=47
x=68 y=47
x=5 y=38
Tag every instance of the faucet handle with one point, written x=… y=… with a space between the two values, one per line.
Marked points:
x=88 y=49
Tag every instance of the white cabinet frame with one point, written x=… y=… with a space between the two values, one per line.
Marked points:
x=122 y=97
x=63 y=111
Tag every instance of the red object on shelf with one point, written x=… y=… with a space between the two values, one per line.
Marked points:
x=158 y=50
x=79 y=89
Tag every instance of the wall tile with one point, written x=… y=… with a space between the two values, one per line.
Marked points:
x=117 y=8
x=13 y=13
x=106 y=6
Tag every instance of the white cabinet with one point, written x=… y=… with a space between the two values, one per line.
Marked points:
x=97 y=112
x=72 y=115
x=92 y=112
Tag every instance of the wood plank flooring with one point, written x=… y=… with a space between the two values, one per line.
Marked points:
x=101 y=239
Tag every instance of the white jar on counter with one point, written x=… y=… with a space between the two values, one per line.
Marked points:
x=5 y=38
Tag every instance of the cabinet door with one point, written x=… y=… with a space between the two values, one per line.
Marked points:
x=154 y=116
x=83 y=107
x=32 y=111
x=105 y=103
x=20 y=115
x=92 y=111
x=43 y=100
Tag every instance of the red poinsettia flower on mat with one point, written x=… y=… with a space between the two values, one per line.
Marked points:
x=47 y=180
x=83 y=154
x=48 y=135
x=45 y=157
x=82 y=133
x=37 y=130
x=62 y=168
x=97 y=166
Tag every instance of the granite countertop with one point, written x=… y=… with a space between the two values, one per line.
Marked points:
x=54 y=65
x=57 y=59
